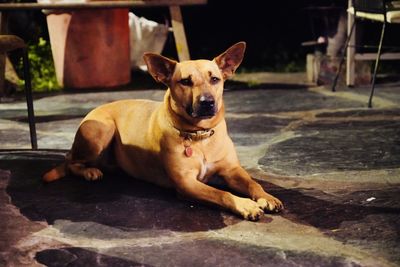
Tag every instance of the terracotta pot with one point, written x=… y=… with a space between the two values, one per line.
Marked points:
x=90 y=47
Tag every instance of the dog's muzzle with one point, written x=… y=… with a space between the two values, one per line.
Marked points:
x=205 y=106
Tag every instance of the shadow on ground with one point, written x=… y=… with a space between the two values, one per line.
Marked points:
x=123 y=208
x=81 y=257
x=117 y=200
x=126 y=203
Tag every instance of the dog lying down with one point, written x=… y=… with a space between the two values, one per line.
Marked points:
x=180 y=142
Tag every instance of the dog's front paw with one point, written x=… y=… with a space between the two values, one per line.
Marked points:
x=92 y=174
x=249 y=209
x=270 y=203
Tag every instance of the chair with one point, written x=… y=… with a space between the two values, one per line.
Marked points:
x=382 y=11
x=10 y=43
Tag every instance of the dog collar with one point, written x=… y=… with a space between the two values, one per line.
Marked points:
x=188 y=137
x=196 y=135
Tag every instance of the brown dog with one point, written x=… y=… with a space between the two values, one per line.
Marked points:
x=178 y=143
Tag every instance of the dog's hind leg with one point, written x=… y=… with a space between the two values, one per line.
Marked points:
x=91 y=140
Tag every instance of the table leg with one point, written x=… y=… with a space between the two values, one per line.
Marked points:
x=3 y=30
x=351 y=50
x=179 y=33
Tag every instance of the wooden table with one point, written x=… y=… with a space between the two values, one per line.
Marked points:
x=174 y=9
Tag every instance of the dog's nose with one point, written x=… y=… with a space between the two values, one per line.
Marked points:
x=206 y=101
x=205 y=106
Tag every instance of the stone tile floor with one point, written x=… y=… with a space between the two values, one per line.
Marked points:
x=334 y=163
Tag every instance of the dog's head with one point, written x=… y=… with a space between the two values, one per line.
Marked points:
x=196 y=86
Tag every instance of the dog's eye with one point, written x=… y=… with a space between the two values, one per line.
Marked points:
x=186 y=82
x=214 y=80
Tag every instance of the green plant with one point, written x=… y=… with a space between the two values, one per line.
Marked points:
x=42 y=69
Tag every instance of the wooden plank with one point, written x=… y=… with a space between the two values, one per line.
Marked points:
x=101 y=4
x=179 y=33
x=372 y=56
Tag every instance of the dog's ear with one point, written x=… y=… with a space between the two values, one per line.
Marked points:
x=161 y=68
x=230 y=60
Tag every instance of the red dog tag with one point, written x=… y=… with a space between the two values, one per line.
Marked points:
x=188 y=151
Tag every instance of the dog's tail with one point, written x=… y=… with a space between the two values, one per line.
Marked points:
x=55 y=173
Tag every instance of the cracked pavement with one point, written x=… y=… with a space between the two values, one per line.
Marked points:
x=332 y=161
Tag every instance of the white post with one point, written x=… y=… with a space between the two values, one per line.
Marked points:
x=351 y=50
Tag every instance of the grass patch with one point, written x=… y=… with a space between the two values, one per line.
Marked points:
x=43 y=74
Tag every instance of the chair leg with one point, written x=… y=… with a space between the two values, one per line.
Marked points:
x=343 y=56
x=29 y=100
x=376 y=65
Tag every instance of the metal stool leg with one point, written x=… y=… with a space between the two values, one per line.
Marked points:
x=376 y=65
x=343 y=56
x=29 y=99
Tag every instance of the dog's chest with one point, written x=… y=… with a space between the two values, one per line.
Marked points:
x=207 y=155
x=206 y=170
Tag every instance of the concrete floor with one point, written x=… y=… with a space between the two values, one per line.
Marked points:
x=333 y=162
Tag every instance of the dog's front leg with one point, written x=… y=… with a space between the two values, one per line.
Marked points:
x=239 y=180
x=196 y=190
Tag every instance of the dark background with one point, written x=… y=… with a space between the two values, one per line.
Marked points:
x=273 y=30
